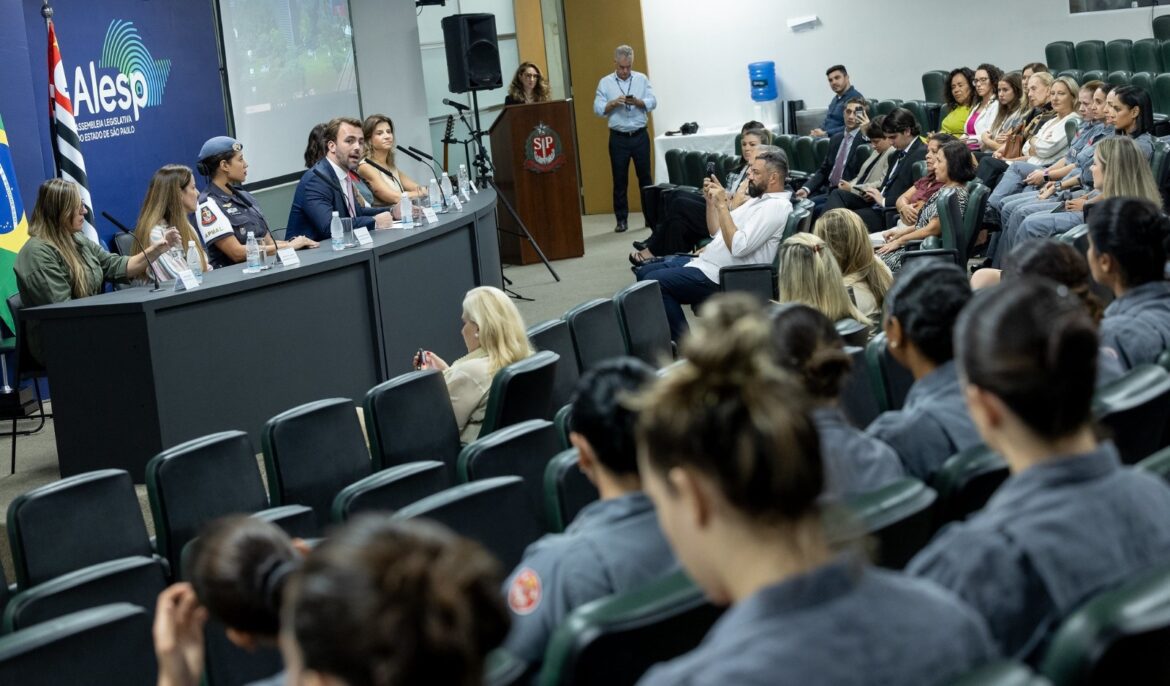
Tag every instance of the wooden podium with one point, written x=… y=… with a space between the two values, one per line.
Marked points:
x=535 y=154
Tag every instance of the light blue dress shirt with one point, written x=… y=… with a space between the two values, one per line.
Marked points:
x=625 y=118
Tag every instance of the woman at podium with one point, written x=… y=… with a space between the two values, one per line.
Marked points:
x=528 y=85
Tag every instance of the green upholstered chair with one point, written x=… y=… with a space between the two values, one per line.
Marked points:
x=566 y=490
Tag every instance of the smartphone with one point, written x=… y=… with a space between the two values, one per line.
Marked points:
x=710 y=170
x=420 y=359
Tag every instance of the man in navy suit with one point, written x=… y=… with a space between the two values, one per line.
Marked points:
x=327 y=187
x=901 y=128
x=840 y=162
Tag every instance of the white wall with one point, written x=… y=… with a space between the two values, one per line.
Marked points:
x=698 y=51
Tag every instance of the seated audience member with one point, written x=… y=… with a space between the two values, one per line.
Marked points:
x=170 y=198
x=932 y=425
x=909 y=205
x=1119 y=169
x=528 y=86
x=873 y=169
x=1063 y=264
x=843 y=92
x=58 y=263
x=749 y=234
x=866 y=276
x=237 y=574
x=954 y=166
x=1032 y=68
x=494 y=334
x=227 y=212
x=391 y=603
x=960 y=98
x=1009 y=115
x=808 y=345
x=683 y=220
x=315 y=148
x=1070 y=521
x=1014 y=200
x=327 y=187
x=378 y=169
x=985 y=108
x=1038 y=90
x=839 y=162
x=1049 y=142
x=1127 y=254
x=614 y=544
x=901 y=128
x=733 y=464
x=809 y=275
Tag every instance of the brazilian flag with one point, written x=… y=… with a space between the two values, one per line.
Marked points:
x=13 y=226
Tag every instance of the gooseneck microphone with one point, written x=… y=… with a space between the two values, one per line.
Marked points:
x=149 y=262
x=457 y=105
x=418 y=155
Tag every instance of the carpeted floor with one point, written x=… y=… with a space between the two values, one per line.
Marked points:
x=599 y=274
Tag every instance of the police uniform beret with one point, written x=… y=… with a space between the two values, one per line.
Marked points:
x=218 y=145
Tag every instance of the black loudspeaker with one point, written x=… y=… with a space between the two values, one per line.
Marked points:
x=473 y=56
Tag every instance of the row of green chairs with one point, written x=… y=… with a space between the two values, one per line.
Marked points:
x=688 y=167
x=1148 y=55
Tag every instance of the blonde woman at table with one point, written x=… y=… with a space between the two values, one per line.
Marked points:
x=170 y=197
x=495 y=336
x=58 y=263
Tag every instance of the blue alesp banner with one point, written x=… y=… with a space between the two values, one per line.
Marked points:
x=144 y=81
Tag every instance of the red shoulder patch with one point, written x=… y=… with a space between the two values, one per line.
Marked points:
x=524 y=595
x=206 y=217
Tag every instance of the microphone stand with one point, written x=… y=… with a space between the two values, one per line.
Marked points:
x=418 y=155
x=438 y=174
x=484 y=178
x=149 y=262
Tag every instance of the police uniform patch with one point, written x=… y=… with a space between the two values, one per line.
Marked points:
x=206 y=216
x=524 y=595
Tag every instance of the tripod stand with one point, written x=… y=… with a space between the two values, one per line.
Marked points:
x=484 y=170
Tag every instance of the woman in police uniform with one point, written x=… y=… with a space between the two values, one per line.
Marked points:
x=226 y=211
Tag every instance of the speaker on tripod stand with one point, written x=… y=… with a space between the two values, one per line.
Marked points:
x=473 y=53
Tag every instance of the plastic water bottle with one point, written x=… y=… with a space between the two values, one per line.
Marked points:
x=252 y=250
x=464 y=181
x=406 y=208
x=193 y=261
x=336 y=234
x=445 y=184
x=433 y=194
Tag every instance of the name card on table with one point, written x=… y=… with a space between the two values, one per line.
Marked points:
x=288 y=257
x=430 y=215
x=185 y=280
x=467 y=196
x=458 y=205
x=363 y=236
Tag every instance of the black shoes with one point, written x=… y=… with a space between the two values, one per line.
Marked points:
x=639 y=245
x=621 y=226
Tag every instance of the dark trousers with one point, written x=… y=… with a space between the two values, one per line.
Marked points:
x=874 y=221
x=621 y=149
x=681 y=225
x=680 y=285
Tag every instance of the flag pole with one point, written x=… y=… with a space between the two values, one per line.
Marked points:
x=47 y=13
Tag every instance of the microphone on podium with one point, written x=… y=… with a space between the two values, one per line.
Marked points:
x=149 y=262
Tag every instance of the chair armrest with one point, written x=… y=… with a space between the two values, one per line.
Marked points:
x=926 y=254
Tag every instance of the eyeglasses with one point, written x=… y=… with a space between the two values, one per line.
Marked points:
x=982 y=80
x=531 y=76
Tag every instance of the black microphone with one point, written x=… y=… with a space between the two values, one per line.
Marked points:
x=149 y=262
x=457 y=105
x=418 y=155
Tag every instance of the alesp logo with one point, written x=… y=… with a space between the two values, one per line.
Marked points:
x=136 y=82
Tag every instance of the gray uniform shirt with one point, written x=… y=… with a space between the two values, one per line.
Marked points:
x=611 y=546
x=1051 y=537
x=1137 y=325
x=841 y=624
x=854 y=463
x=932 y=425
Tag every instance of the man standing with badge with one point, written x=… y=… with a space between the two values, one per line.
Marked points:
x=625 y=98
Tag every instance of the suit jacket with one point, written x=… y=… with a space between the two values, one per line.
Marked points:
x=821 y=177
x=317 y=197
x=902 y=177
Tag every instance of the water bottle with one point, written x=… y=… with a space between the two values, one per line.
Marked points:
x=193 y=261
x=433 y=194
x=445 y=184
x=406 y=208
x=464 y=181
x=336 y=234
x=252 y=250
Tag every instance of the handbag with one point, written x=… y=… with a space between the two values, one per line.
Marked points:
x=1014 y=146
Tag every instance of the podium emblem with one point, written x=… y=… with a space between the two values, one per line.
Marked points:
x=542 y=150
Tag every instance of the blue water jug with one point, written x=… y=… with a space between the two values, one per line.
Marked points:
x=763 y=79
